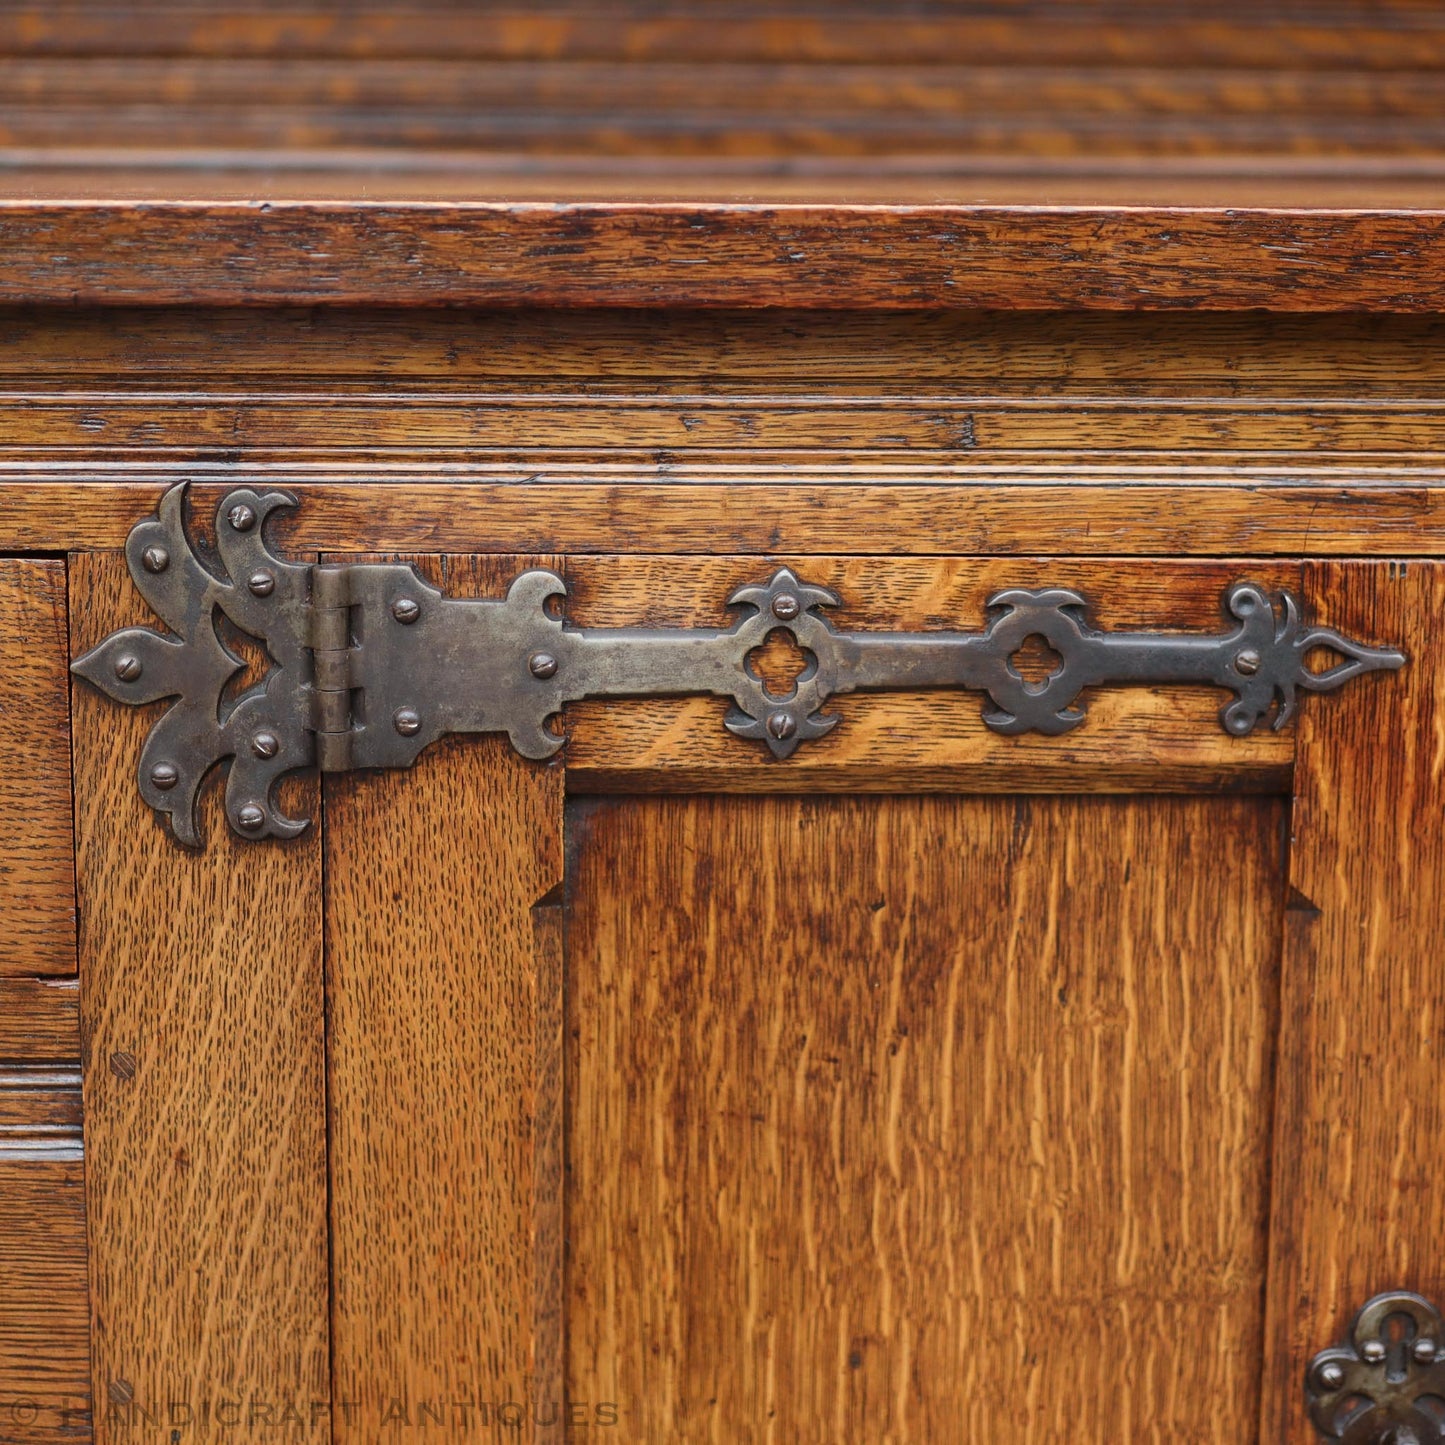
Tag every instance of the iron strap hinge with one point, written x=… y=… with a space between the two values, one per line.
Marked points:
x=369 y=663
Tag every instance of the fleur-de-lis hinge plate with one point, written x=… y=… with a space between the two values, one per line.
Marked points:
x=1386 y=1386
x=370 y=663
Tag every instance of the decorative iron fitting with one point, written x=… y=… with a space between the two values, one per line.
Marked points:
x=1387 y=1385
x=371 y=663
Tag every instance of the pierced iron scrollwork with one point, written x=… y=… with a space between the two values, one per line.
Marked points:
x=1387 y=1385
x=370 y=663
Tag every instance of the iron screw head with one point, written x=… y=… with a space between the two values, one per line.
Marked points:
x=1424 y=1350
x=127 y=667
x=250 y=817
x=165 y=776
x=1373 y=1351
x=407 y=722
x=786 y=607
x=262 y=584
x=782 y=725
x=241 y=517
x=1248 y=662
x=542 y=664
x=405 y=610
x=265 y=745
x=155 y=559
x=1332 y=1374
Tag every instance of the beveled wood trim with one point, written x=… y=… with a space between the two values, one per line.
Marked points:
x=1148 y=517
x=709 y=255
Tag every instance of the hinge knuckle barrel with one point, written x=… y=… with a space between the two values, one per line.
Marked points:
x=332 y=657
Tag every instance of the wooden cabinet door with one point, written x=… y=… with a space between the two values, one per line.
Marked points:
x=930 y=1084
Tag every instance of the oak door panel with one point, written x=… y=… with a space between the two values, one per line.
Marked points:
x=37 y=876
x=920 y=1118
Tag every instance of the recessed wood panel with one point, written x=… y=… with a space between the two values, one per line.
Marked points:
x=919 y=1119
x=37 y=876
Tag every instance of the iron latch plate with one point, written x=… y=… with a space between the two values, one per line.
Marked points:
x=371 y=663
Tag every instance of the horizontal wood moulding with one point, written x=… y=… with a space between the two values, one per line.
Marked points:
x=701 y=255
x=767 y=353
x=1354 y=35
x=720 y=111
x=496 y=428
x=1403 y=181
x=1140 y=518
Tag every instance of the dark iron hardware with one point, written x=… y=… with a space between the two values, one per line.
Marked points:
x=1387 y=1385
x=370 y=663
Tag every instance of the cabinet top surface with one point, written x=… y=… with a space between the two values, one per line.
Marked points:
x=1020 y=154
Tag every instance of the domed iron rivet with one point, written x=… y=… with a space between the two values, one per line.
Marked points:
x=786 y=607
x=407 y=722
x=542 y=664
x=405 y=610
x=1332 y=1375
x=241 y=517
x=155 y=559
x=782 y=725
x=265 y=745
x=1425 y=1350
x=1373 y=1351
x=165 y=776
x=1248 y=662
x=262 y=584
x=250 y=817
x=127 y=667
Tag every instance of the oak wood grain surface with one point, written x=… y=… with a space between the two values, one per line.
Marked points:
x=37 y=876
x=1053 y=516
x=201 y=994
x=1365 y=34
x=44 y=1294
x=44 y=1306
x=40 y=1020
x=765 y=90
x=1360 y=1113
x=703 y=254
x=444 y=993
x=920 y=1119
x=1152 y=739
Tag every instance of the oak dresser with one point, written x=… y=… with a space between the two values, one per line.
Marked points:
x=722 y=723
